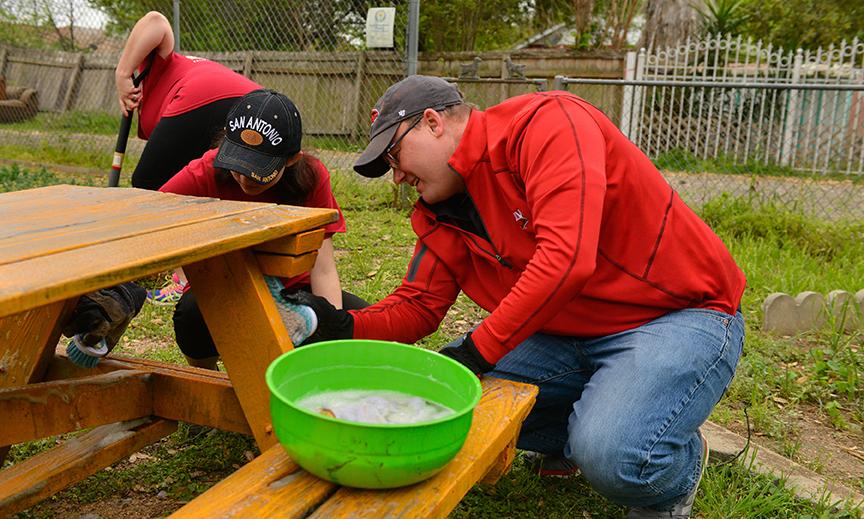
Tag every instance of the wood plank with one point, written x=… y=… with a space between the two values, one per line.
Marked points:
x=27 y=341
x=26 y=483
x=271 y=485
x=501 y=465
x=41 y=233
x=246 y=328
x=47 y=279
x=286 y=266
x=295 y=244
x=47 y=409
x=497 y=420
x=181 y=393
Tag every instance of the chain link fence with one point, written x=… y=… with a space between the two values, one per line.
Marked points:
x=60 y=102
x=716 y=115
x=724 y=115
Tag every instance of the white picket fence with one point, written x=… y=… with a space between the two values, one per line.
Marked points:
x=744 y=102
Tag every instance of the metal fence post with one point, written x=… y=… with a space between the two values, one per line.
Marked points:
x=793 y=113
x=627 y=101
x=176 y=25
x=413 y=31
x=558 y=83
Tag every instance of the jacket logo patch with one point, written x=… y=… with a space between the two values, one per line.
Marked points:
x=520 y=218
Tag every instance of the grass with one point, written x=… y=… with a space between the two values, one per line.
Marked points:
x=98 y=123
x=682 y=160
x=780 y=379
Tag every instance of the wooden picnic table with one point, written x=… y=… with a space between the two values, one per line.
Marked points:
x=60 y=242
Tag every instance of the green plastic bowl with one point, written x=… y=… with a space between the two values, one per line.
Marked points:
x=370 y=455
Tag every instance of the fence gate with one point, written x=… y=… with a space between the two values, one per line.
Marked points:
x=728 y=105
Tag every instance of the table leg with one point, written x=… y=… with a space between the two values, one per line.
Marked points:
x=27 y=343
x=246 y=328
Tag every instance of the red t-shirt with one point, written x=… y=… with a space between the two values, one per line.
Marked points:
x=198 y=178
x=177 y=84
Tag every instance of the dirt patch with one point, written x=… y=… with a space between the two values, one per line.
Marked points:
x=137 y=506
x=836 y=455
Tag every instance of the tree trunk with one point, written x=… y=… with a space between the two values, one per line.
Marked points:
x=668 y=22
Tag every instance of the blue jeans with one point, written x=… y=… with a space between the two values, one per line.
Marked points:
x=627 y=407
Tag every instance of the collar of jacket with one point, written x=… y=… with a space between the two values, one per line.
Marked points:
x=472 y=146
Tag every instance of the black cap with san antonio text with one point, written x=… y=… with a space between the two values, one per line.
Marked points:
x=263 y=130
x=404 y=100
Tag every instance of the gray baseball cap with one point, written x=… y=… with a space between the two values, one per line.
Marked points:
x=401 y=101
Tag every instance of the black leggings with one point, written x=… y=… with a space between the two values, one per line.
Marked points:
x=178 y=140
x=194 y=338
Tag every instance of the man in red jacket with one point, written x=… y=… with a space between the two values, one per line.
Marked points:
x=603 y=288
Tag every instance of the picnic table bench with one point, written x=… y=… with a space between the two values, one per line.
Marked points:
x=58 y=243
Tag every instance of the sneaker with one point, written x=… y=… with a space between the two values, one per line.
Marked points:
x=300 y=320
x=683 y=508
x=551 y=466
x=170 y=293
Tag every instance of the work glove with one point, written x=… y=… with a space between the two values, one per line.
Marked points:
x=106 y=313
x=332 y=323
x=467 y=354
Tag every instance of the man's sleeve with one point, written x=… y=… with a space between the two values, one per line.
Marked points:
x=559 y=152
x=416 y=308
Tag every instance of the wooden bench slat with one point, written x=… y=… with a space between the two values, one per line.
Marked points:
x=26 y=483
x=45 y=409
x=271 y=485
x=249 y=493
x=497 y=420
x=181 y=393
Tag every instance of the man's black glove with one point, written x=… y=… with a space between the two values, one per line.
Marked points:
x=332 y=323
x=106 y=313
x=468 y=355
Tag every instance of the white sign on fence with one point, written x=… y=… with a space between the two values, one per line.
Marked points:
x=379 y=27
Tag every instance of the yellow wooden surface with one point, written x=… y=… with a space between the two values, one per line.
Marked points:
x=285 y=266
x=62 y=241
x=32 y=480
x=293 y=245
x=181 y=393
x=497 y=420
x=27 y=342
x=47 y=409
x=246 y=328
x=271 y=485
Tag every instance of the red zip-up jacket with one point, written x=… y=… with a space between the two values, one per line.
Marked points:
x=586 y=238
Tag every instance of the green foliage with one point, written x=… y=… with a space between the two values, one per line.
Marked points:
x=13 y=178
x=804 y=23
x=722 y=16
x=781 y=228
x=457 y=25
x=226 y=25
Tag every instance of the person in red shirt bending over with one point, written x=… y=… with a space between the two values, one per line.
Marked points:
x=260 y=159
x=182 y=101
x=602 y=287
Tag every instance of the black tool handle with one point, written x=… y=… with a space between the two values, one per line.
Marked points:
x=123 y=137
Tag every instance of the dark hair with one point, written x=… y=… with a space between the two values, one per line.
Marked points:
x=297 y=182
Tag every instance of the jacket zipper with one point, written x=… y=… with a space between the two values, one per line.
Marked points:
x=477 y=242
